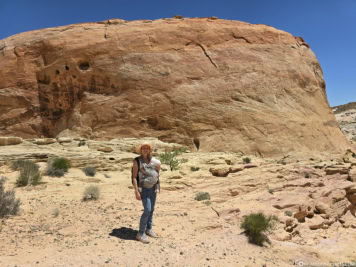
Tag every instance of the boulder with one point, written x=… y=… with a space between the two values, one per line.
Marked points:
x=338 y=209
x=44 y=141
x=321 y=207
x=220 y=171
x=9 y=141
x=352 y=175
x=105 y=149
x=91 y=79
x=335 y=170
x=64 y=140
x=349 y=156
x=304 y=211
x=316 y=223
x=348 y=220
x=351 y=198
x=337 y=195
x=250 y=165
x=235 y=169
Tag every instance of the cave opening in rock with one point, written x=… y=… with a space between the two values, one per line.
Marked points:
x=84 y=66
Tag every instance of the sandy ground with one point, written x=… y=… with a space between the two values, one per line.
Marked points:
x=56 y=228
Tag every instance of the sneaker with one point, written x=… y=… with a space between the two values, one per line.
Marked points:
x=142 y=238
x=150 y=233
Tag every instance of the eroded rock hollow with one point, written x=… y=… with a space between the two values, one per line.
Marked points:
x=228 y=85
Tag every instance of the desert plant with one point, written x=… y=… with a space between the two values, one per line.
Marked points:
x=194 y=169
x=256 y=226
x=81 y=143
x=61 y=163
x=29 y=173
x=246 y=160
x=271 y=191
x=202 y=196
x=288 y=213
x=57 y=167
x=170 y=158
x=307 y=175
x=91 y=193
x=17 y=164
x=55 y=212
x=89 y=171
x=9 y=205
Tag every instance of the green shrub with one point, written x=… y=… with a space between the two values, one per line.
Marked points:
x=29 y=173
x=9 y=205
x=91 y=193
x=61 y=164
x=202 y=196
x=256 y=226
x=194 y=169
x=81 y=143
x=57 y=167
x=288 y=213
x=89 y=171
x=246 y=160
x=307 y=175
x=17 y=164
x=170 y=158
x=181 y=149
x=55 y=212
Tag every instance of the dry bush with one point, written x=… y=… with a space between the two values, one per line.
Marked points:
x=89 y=171
x=9 y=205
x=29 y=173
x=202 y=196
x=91 y=193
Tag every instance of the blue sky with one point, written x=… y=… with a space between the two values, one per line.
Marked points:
x=328 y=26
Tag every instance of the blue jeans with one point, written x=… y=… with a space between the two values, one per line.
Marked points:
x=148 y=196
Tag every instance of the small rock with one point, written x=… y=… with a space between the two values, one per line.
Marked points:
x=44 y=141
x=105 y=149
x=250 y=165
x=220 y=172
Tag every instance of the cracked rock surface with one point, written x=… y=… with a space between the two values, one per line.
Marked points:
x=231 y=86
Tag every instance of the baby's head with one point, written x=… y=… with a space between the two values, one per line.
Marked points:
x=155 y=162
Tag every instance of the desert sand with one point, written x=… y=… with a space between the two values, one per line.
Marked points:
x=56 y=228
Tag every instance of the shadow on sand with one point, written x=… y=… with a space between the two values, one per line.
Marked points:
x=124 y=233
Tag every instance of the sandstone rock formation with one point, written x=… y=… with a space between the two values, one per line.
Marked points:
x=346 y=117
x=231 y=85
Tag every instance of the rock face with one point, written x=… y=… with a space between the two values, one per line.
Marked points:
x=346 y=117
x=231 y=85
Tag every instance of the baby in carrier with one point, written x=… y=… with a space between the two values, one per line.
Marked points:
x=149 y=173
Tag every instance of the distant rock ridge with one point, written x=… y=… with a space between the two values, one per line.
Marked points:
x=344 y=107
x=346 y=117
x=233 y=86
